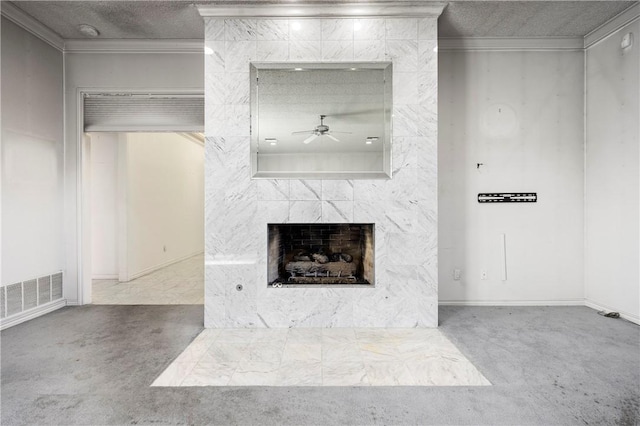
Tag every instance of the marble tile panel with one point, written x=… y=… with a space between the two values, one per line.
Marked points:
x=401 y=216
x=215 y=120
x=214 y=59
x=272 y=29
x=238 y=121
x=305 y=211
x=174 y=374
x=273 y=189
x=214 y=29
x=273 y=212
x=408 y=121
x=205 y=374
x=345 y=374
x=310 y=351
x=428 y=28
x=256 y=374
x=427 y=89
x=404 y=54
x=337 y=211
x=405 y=152
x=337 y=29
x=401 y=248
x=390 y=373
x=237 y=88
x=216 y=89
x=238 y=55
x=305 y=50
x=369 y=50
x=337 y=50
x=306 y=190
x=240 y=29
x=337 y=190
x=336 y=352
x=368 y=29
x=300 y=373
x=405 y=88
x=305 y=29
x=304 y=335
x=272 y=51
x=401 y=29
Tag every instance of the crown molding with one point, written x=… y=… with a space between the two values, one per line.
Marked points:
x=134 y=46
x=31 y=25
x=629 y=15
x=322 y=10
x=509 y=44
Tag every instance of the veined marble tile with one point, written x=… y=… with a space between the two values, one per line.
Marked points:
x=237 y=88
x=305 y=29
x=306 y=190
x=368 y=29
x=238 y=120
x=401 y=29
x=305 y=50
x=404 y=54
x=337 y=211
x=272 y=51
x=341 y=50
x=273 y=212
x=345 y=374
x=238 y=55
x=305 y=211
x=337 y=29
x=405 y=88
x=214 y=29
x=240 y=29
x=216 y=88
x=405 y=152
x=214 y=60
x=272 y=29
x=428 y=28
x=369 y=50
x=341 y=357
x=337 y=190
x=273 y=189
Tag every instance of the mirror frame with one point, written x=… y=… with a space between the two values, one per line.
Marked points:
x=385 y=173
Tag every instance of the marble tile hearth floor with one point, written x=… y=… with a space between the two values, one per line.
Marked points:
x=321 y=357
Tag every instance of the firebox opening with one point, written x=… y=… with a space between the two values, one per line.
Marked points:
x=321 y=254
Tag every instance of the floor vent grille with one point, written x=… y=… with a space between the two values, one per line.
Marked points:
x=25 y=295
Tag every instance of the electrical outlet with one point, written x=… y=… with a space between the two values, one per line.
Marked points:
x=483 y=275
x=456 y=274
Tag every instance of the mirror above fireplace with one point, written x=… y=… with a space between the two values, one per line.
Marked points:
x=321 y=120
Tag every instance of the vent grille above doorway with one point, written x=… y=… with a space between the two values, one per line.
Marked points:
x=143 y=113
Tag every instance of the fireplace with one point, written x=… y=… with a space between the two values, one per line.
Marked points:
x=320 y=254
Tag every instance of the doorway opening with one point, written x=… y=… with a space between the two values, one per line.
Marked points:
x=147 y=217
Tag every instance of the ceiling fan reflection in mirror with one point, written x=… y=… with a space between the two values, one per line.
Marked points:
x=320 y=130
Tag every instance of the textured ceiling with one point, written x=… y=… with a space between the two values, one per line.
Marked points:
x=180 y=19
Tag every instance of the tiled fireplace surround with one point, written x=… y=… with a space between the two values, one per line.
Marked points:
x=403 y=209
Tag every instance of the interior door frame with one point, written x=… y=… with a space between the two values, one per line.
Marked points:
x=83 y=181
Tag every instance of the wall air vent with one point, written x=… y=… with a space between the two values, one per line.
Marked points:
x=26 y=297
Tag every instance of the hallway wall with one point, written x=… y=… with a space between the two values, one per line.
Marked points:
x=32 y=156
x=612 y=175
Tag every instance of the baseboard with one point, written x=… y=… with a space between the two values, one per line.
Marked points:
x=38 y=311
x=162 y=265
x=105 y=277
x=600 y=307
x=567 y=302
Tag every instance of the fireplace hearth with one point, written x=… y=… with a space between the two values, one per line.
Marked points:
x=320 y=254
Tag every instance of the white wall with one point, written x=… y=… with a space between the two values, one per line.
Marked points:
x=32 y=156
x=104 y=205
x=520 y=114
x=612 y=176
x=165 y=200
x=125 y=71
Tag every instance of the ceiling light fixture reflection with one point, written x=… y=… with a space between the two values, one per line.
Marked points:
x=370 y=140
x=271 y=141
x=297 y=69
x=88 y=30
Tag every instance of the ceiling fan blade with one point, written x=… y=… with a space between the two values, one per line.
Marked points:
x=332 y=137
x=344 y=133
x=310 y=138
x=303 y=131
